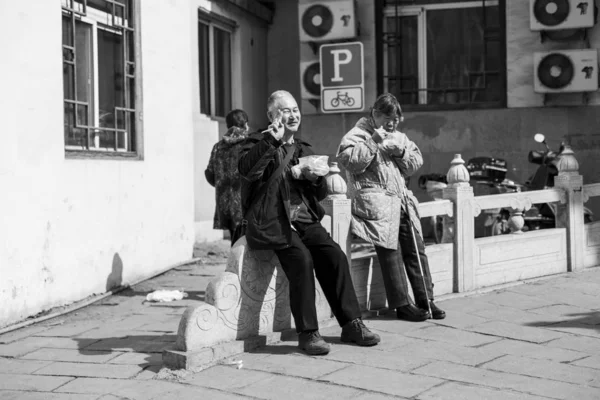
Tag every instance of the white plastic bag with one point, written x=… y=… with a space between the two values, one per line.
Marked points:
x=318 y=164
x=166 y=295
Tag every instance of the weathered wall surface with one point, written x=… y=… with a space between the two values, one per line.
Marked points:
x=71 y=228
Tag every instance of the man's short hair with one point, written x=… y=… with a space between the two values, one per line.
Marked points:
x=237 y=118
x=274 y=98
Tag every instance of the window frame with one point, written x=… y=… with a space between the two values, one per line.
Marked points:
x=386 y=8
x=91 y=17
x=214 y=21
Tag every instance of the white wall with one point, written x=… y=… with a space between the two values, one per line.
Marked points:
x=66 y=225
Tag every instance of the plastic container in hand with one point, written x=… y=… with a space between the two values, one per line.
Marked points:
x=319 y=165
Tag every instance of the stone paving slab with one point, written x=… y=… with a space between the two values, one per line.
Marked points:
x=546 y=369
x=453 y=336
x=17 y=395
x=584 y=344
x=278 y=387
x=32 y=382
x=22 y=333
x=295 y=365
x=515 y=315
x=30 y=344
x=143 y=344
x=461 y=320
x=569 y=312
x=69 y=355
x=376 y=396
x=382 y=380
x=137 y=358
x=397 y=360
x=513 y=382
x=123 y=388
x=503 y=329
x=16 y=366
x=517 y=300
x=89 y=370
x=462 y=391
x=69 y=329
x=576 y=329
x=589 y=362
x=532 y=350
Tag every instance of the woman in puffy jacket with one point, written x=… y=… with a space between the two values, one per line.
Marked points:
x=378 y=159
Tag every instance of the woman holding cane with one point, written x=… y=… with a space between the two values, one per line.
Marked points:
x=378 y=159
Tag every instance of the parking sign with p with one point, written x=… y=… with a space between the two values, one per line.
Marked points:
x=342 y=77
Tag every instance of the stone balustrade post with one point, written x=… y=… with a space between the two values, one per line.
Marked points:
x=338 y=210
x=460 y=192
x=516 y=222
x=570 y=214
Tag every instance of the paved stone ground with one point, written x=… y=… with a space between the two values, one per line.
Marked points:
x=538 y=340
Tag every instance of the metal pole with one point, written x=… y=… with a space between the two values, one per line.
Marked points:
x=412 y=230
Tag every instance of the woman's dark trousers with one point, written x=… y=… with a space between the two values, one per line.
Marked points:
x=394 y=278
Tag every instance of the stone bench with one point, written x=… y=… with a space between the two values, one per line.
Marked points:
x=248 y=304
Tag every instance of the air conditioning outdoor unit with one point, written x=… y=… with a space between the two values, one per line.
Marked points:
x=566 y=71
x=551 y=15
x=321 y=21
x=310 y=79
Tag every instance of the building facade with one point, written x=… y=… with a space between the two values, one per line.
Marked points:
x=464 y=73
x=110 y=110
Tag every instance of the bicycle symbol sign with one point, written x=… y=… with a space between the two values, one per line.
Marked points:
x=342 y=78
x=343 y=98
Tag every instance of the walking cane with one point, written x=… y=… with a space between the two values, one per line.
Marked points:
x=414 y=237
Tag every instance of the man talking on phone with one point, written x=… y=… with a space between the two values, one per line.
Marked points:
x=280 y=200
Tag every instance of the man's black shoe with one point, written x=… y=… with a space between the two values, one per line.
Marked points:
x=410 y=312
x=312 y=343
x=356 y=331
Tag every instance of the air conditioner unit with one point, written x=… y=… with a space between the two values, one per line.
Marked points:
x=551 y=15
x=310 y=79
x=326 y=20
x=566 y=71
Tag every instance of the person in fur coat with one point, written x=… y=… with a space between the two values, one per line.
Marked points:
x=222 y=172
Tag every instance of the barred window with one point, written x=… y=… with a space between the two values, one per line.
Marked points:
x=99 y=75
x=443 y=54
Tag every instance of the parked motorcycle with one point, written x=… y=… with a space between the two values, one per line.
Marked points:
x=488 y=176
x=542 y=216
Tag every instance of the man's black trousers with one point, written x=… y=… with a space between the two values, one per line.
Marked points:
x=314 y=252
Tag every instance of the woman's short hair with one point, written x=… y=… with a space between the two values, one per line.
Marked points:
x=387 y=104
x=237 y=118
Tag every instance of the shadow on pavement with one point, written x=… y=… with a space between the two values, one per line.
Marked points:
x=589 y=320
x=143 y=350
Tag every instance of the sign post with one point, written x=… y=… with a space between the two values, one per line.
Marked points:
x=342 y=77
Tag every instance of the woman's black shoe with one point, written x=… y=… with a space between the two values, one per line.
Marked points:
x=436 y=312
x=410 y=312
